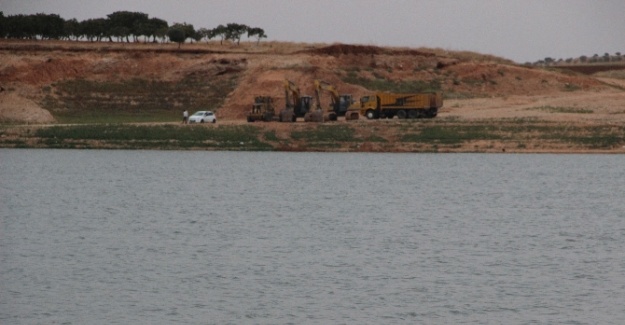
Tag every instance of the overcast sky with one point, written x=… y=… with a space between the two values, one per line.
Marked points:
x=520 y=30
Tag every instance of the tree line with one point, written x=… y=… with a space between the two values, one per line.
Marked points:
x=120 y=26
x=583 y=59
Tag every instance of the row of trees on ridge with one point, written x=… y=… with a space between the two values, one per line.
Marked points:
x=606 y=57
x=120 y=26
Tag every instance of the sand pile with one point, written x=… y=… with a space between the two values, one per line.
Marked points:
x=16 y=109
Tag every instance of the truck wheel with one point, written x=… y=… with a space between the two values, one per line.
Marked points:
x=413 y=113
x=370 y=114
x=401 y=114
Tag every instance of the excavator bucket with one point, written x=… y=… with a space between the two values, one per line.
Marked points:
x=287 y=115
x=331 y=116
x=349 y=116
x=314 y=116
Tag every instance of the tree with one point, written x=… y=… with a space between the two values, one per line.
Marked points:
x=183 y=27
x=176 y=34
x=154 y=26
x=127 y=23
x=72 y=29
x=95 y=29
x=19 y=26
x=205 y=33
x=189 y=31
x=48 y=26
x=38 y=26
x=2 y=24
x=197 y=37
x=161 y=33
x=119 y=32
x=221 y=32
x=258 y=32
x=234 y=32
x=595 y=58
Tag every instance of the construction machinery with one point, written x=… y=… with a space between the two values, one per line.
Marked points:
x=389 y=105
x=262 y=109
x=297 y=105
x=339 y=105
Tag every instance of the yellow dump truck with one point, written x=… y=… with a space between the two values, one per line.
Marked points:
x=389 y=105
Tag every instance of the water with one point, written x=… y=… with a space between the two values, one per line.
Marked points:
x=170 y=237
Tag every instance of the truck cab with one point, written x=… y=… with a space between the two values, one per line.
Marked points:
x=369 y=106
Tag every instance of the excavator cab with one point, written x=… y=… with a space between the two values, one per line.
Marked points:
x=304 y=105
x=345 y=101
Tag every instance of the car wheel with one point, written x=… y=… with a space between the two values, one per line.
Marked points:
x=215 y=121
x=201 y=121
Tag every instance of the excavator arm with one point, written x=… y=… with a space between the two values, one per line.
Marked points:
x=320 y=86
x=291 y=93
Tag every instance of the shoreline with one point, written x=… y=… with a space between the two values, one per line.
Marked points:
x=444 y=135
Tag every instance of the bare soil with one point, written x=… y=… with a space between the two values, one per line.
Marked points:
x=479 y=88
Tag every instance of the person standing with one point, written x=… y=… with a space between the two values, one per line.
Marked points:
x=185 y=117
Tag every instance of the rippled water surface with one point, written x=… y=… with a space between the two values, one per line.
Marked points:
x=164 y=237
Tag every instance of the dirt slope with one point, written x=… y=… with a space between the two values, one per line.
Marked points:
x=34 y=77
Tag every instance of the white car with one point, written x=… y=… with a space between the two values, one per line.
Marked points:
x=203 y=116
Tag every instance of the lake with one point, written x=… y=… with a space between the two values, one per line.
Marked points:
x=193 y=237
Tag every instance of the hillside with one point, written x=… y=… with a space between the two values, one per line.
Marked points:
x=64 y=82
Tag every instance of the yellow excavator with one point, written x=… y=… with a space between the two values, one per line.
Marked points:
x=297 y=105
x=340 y=103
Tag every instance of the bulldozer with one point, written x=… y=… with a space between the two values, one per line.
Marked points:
x=262 y=109
x=297 y=105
